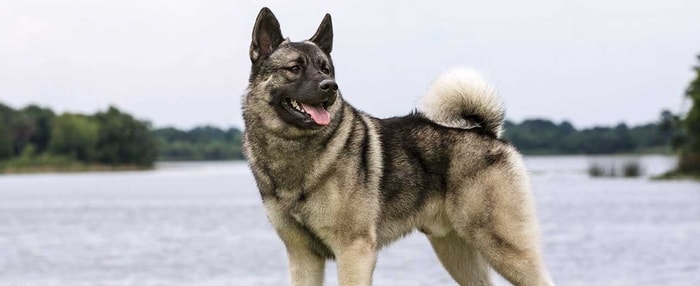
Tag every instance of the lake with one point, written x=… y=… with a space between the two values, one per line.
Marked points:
x=203 y=224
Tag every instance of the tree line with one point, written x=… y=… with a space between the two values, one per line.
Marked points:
x=534 y=136
x=200 y=143
x=541 y=136
x=35 y=135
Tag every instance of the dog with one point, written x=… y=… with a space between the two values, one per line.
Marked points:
x=340 y=184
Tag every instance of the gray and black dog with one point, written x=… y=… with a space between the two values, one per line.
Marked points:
x=339 y=184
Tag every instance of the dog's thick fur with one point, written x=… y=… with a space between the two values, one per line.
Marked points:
x=340 y=184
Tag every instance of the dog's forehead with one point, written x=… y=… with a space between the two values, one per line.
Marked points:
x=292 y=51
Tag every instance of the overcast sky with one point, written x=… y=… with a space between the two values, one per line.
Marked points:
x=185 y=63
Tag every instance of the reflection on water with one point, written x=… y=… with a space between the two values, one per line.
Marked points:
x=203 y=224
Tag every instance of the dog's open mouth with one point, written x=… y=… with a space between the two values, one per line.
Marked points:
x=309 y=112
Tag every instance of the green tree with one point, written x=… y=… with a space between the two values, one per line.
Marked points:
x=536 y=135
x=200 y=143
x=74 y=135
x=689 y=160
x=669 y=132
x=623 y=139
x=124 y=140
x=6 y=145
x=22 y=128
x=42 y=120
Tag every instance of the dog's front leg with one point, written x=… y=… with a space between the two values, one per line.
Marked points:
x=306 y=268
x=356 y=262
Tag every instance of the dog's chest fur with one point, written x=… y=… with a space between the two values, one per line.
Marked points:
x=284 y=170
x=321 y=183
x=282 y=164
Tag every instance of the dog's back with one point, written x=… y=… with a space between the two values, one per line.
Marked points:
x=426 y=155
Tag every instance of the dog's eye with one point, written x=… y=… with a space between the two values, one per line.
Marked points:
x=294 y=69
x=325 y=70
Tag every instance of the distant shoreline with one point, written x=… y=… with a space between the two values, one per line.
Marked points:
x=77 y=167
x=10 y=170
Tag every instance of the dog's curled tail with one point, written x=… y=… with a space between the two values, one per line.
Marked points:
x=461 y=98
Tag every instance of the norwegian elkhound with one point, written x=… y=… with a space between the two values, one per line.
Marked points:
x=340 y=184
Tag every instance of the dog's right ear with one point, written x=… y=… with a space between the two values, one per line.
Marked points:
x=266 y=35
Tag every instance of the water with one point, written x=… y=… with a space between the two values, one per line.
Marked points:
x=203 y=224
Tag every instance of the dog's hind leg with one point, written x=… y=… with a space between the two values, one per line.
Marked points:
x=464 y=263
x=495 y=213
x=518 y=261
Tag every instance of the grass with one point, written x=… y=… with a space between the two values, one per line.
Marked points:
x=628 y=169
x=676 y=175
x=632 y=169
x=46 y=163
x=688 y=168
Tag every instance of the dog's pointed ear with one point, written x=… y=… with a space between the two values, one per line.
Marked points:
x=324 y=35
x=266 y=35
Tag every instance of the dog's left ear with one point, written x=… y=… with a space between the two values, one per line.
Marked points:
x=324 y=35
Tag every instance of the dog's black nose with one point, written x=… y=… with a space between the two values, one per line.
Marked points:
x=328 y=85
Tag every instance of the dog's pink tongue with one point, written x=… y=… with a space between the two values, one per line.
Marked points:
x=319 y=114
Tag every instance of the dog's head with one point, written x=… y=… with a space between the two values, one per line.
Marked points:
x=292 y=84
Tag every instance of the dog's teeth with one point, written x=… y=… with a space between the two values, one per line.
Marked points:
x=296 y=106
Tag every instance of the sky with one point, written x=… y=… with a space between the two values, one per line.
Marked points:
x=185 y=63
